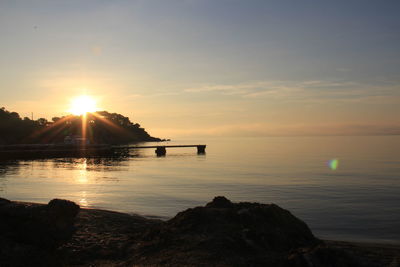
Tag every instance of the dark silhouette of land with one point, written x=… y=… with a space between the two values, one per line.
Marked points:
x=221 y=233
x=98 y=128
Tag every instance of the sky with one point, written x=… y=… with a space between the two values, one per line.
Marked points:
x=208 y=67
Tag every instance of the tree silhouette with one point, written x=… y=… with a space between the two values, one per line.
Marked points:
x=99 y=127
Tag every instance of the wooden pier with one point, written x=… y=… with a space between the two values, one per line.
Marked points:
x=162 y=150
x=61 y=150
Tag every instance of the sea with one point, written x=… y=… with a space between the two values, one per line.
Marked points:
x=343 y=187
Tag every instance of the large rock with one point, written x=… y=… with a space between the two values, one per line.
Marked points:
x=35 y=224
x=225 y=233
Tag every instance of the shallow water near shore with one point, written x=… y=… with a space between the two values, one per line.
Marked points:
x=344 y=188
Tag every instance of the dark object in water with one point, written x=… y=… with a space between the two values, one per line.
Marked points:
x=161 y=151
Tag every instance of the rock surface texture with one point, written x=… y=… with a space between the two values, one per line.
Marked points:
x=28 y=231
x=227 y=234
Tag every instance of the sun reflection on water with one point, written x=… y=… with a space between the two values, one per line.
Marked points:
x=83 y=201
x=82 y=174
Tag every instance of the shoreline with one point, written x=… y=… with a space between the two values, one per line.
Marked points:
x=191 y=238
x=166 y=218
x=360 y=242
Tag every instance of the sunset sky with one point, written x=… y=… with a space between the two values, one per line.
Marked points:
x=208 y=67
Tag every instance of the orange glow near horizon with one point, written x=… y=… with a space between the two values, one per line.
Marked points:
x=83 y=104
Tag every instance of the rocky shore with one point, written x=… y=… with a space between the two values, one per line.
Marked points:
x=221 y=233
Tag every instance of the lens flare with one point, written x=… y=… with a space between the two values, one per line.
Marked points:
x=333 y=164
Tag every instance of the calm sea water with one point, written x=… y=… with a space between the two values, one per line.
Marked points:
x=360 y=200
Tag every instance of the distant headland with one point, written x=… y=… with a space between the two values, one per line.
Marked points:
x=99 y=127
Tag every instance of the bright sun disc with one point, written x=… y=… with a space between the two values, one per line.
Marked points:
x=82 y=104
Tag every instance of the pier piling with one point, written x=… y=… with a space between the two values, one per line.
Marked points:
x=201 y=149
x=161 y=151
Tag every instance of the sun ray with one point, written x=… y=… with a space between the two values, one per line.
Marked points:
x=109 y=123
x=51 y=127
x=84 y=124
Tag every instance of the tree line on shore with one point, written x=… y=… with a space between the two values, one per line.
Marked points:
x=99 y=127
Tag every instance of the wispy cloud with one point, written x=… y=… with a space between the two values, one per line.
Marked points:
x=305 y=91
x=160 y=94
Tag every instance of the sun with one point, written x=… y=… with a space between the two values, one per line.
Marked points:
x=82 y=104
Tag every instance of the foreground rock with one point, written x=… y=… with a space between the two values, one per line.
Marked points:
x=220 y=234
x=28 y=230
x=239 y=234
x=224 y=233
x=41 y=225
